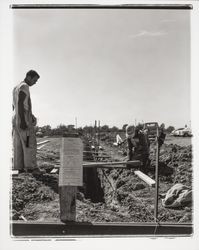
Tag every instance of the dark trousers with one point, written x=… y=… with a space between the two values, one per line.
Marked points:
x=141 y=155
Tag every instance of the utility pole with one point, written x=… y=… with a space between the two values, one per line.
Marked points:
x=76 y=122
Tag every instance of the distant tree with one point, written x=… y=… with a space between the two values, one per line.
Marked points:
x=170 y=129
x=105 y=128
x=88 y=130
x=61 y=129
x=46 y=130
x=80 y=130
x=114 y=129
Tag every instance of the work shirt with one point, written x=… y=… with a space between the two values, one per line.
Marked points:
x=139 y=142
x=26 y=104
x=143 y=144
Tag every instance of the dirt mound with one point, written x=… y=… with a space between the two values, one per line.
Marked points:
x=25 y=189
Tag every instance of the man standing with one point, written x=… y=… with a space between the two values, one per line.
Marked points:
x=24 y=122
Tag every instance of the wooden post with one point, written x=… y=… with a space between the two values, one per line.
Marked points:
x=157 y=177
x=70 y=175
x=67 y=201
x=98 y=133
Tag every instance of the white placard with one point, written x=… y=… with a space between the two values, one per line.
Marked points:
x=71 y=170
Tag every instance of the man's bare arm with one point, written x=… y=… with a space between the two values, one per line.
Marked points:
x=21 y=110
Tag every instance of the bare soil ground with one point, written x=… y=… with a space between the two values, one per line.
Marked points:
x=126 y=198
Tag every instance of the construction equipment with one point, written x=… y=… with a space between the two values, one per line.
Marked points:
x=152 y=130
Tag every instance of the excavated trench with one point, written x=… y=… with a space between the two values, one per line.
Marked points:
x=92 y=188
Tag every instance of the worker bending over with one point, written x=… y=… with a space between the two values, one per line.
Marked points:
x=24 y=122
x=138 y=145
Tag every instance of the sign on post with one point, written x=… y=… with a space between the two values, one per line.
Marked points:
x=71 y=173
x=70 y=176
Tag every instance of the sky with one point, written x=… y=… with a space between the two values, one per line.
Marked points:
x=114 y=65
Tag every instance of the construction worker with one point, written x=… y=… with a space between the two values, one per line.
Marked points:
x=162 y=134
x=138 y=145
x=24 y=122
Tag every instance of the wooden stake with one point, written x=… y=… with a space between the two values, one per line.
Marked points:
x=145 y=178
x=67 y=202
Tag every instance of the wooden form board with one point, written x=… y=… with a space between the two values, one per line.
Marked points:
x=70 y=176
x=52 y=229
x=15 y=172
x=54 y=171
x=71 y=160
x=115 y=164
x=145 y=178
x=40 y=147
x=119 y=165
x=42 y=142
